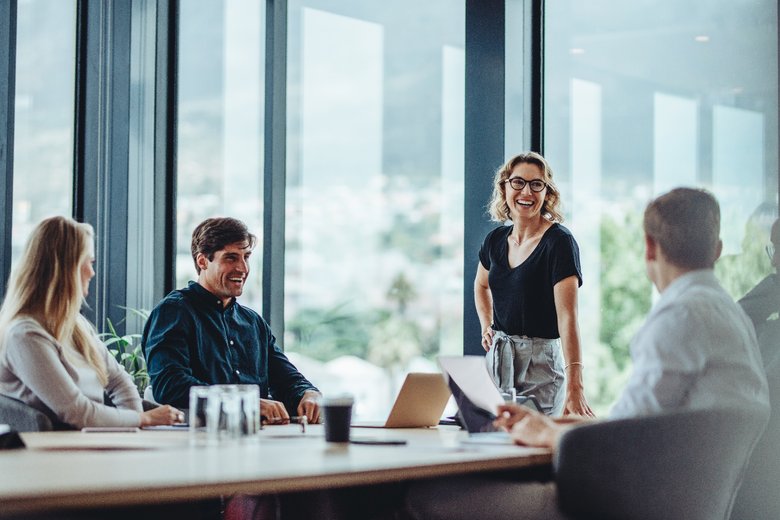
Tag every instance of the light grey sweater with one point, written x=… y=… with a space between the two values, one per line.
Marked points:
x=36 y=369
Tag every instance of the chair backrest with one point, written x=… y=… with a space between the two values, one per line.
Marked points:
x=759 y=496
x=672 y=465
x=22 y=417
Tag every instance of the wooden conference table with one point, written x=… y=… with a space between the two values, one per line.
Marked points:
x=73 y=469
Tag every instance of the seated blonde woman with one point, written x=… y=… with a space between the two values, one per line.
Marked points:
x=50 y=355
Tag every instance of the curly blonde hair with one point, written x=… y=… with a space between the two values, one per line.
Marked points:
x=551 y=207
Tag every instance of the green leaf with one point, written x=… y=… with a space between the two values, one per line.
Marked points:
x=113 y=341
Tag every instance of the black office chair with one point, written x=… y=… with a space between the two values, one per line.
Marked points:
x=679 y=465
x=22 y=417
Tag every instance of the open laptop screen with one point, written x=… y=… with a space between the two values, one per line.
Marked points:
x=472 y=417
x=475 y=393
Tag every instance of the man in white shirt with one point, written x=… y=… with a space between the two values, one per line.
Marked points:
x=696 y=350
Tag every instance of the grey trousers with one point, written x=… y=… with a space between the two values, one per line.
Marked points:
x=532 y=366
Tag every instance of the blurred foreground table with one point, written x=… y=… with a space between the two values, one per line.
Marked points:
x=60 y=470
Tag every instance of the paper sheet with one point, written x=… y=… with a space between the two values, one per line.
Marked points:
x=471 y=375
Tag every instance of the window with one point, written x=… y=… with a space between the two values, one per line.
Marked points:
x=43 y=129
x=374 y=215
x=220 y=124
x=640 y=98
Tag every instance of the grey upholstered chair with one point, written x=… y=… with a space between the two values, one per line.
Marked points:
x=759 y=496
x=681 y=465
x=22 y=417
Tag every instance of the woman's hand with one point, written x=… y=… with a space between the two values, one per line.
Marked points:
x=487 y=338
x=162 y=415
x=576 y=404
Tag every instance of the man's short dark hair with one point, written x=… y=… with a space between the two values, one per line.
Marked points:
x=686 y=224
x=213 y=234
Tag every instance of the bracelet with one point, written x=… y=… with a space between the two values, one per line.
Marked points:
x=574 y=363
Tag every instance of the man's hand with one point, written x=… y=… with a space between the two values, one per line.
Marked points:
x=509 y=414
x=527 y=426
x=531 y=428
x=273 y=412
x=536 y=429
x=310 y=406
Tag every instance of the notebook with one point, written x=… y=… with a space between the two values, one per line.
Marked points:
x=477 y=397
x=419 y=403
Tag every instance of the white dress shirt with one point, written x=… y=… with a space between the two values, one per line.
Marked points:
x=696 y=350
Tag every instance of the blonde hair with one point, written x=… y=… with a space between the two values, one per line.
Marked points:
x=46 y=285
x=551 y=207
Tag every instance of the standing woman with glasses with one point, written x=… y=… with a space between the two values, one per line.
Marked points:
x=50 y=356
x=526 y=290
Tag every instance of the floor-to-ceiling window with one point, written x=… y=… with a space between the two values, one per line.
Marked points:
x=374 y=211
x=640 y=97
x=637 y=98
x=43 y=128
x=220 y=124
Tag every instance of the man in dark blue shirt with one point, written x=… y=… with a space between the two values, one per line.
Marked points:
x=201 y=335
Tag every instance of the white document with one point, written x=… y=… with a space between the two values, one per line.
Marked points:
x=471 y=375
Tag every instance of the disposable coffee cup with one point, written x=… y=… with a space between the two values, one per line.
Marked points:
x=338 y=417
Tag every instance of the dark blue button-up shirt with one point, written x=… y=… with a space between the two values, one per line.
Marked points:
x=190 y=339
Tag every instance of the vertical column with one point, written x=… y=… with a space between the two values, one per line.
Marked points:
x=101 y=155
x=165 y=102
x=275 y=171
x=7 y=100
x=484 y=136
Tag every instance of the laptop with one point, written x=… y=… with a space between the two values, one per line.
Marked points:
x=478 y=397
x=420 y=403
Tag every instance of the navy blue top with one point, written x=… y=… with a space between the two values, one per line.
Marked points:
x=190 y=339
x=523 y=299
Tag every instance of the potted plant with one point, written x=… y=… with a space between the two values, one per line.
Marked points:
x=127 y=350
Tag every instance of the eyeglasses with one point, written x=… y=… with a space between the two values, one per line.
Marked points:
x=518 y=183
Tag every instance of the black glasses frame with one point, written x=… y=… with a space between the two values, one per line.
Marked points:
x=518 y=183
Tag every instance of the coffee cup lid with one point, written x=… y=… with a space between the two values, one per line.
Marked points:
x=338 y=400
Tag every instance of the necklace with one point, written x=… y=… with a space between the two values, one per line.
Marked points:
x=531 y=238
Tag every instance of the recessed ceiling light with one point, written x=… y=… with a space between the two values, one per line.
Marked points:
x=577 y=50
x=702 y=38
